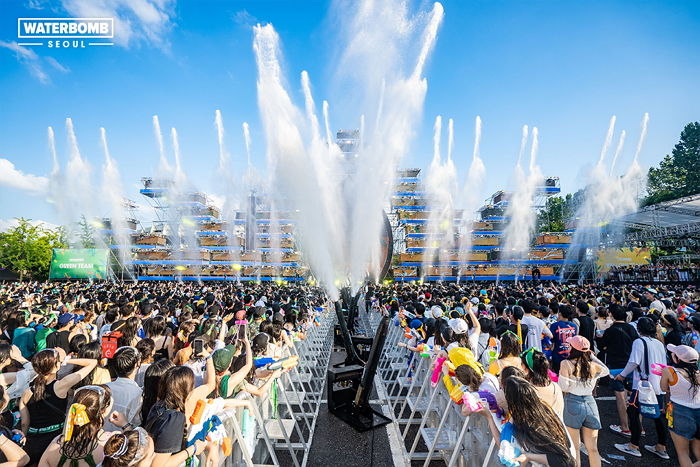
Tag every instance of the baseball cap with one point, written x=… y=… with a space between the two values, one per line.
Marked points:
x=65 y=318
x=579 y=343
x=415 y=324
x=683 y=352
x=436 y=312
x=458 y=325
x=222 y=358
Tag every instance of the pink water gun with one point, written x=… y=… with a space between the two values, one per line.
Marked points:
x=658 y=368
x=437 y=370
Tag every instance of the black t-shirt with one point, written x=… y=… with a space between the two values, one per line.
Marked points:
x=586 y=327
x=58 y=339
x=617 y=343
x=166 y=427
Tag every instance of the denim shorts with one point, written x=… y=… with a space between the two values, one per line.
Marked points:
x=620 y=386
x=581 y=411
x=685 y=421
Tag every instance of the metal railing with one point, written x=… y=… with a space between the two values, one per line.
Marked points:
x=277 y=428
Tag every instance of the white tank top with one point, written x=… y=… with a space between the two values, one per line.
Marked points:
x=682 y=392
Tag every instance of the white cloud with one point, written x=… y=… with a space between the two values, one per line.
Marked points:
x=35 y=63
x=54 y=63
x=134 y=20
x=6 y=224
x=14 y=178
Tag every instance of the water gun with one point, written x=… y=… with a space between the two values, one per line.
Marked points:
x=437 y=370
x=553 y=376
x=457 y=394
x=472 y=402
x=205 y=425
x=425 y=350
x=493 y=350
x=285 y=363
x=509 y=450
x=658 y=368
x=489 y=399
x=272 y=364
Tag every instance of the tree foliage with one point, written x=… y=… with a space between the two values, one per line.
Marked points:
x=26 y=248
x=678 y=174
x=559 y=212
x=86 y=233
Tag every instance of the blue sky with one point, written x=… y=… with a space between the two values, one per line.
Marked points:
x=565 y=67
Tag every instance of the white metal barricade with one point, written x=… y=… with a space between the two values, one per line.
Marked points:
x=279 y=430
x=430 y=424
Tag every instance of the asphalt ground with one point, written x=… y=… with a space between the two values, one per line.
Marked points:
x=336 y=443
x=607 y=438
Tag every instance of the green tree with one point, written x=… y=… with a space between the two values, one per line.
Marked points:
x=86 y=233
x=678 y=174
x=27 y=247
x=558 y=212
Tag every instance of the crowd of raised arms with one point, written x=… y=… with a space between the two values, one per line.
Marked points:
x=529 y=356
x=111 y=374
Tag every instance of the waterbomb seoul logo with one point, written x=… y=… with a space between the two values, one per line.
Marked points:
x=65 y=33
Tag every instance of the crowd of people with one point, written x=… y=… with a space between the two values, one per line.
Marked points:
x=530 y=358
x=112 y=374
x=651 y=273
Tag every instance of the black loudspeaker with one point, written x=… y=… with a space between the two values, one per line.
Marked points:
x=349 y=387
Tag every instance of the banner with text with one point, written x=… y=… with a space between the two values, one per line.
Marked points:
x=72 y=263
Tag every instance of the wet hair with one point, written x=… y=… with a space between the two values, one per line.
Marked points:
x=91 y=350
x=176 y=385
x=511 y=371
x=537 y=428
x=145 y=347
x=510 y=345
x=112 y=314
x=539 y=373
x=488 y=326
x=155 y=326
x=44 y=364
x=670 y=321
x=125 y=361
x=618 y=313
x=115 y=444
x=5 y=350
x=602 y=312
x=567 y=312
x=260 y=343
x=76 y=343
x=85 y=438
x=646 y=327
x=129 y=330
x=582 y=365
x=469 y=377
x=517 y=312
x=582 y=306
x=151 y=384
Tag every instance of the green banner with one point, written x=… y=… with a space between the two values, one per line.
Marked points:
x=72 y=263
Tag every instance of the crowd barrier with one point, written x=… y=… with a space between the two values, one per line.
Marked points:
x=277 y=428
x=655 y=275
x=431 y=426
